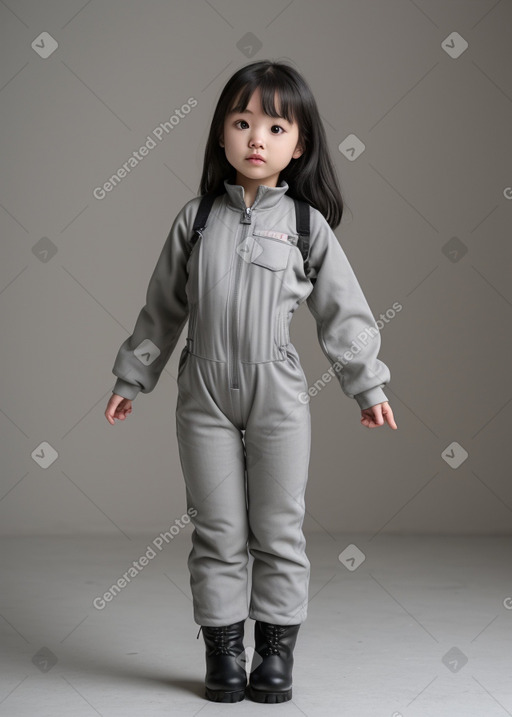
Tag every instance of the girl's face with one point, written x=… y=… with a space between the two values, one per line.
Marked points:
x=254 y=132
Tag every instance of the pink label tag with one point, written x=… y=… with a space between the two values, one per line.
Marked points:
x=274 y=235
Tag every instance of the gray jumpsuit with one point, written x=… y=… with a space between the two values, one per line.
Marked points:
x=242 y=414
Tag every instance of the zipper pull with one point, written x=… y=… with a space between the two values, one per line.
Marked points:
x=246 y=215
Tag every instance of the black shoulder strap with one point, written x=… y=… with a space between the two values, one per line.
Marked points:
x=202 y=214
x=303 y=230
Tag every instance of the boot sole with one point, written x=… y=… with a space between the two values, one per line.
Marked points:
x=222 y=696
x=268 y=697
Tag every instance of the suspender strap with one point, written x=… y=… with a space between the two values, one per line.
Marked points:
x=203 y=211
x=302 y=215
x=302 y=211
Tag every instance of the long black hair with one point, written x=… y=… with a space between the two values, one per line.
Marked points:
x=311 y=177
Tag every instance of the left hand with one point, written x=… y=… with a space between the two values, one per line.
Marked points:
x=378 y=415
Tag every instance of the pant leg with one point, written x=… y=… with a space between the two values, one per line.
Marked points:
x=277 y=441
x=213 y=465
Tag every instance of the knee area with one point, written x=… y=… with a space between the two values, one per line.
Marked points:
x=226 y=540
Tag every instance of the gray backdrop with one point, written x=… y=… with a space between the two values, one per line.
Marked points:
x=425 y=86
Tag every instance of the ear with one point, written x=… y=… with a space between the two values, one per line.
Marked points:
x=221 y=141
x=297 y=152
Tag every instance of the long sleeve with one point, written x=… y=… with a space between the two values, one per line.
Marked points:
x=143 y=355
x=346 y=328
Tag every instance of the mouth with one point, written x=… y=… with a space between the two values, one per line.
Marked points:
x=256 y=160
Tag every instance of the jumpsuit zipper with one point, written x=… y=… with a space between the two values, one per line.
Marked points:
x=246 y=219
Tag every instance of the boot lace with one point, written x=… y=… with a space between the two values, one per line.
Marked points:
x=272 y=635
x=219 y=635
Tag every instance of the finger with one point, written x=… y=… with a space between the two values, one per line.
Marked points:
x=367 y=421
x=389 y=417
x=392 y=422
x=377 y=415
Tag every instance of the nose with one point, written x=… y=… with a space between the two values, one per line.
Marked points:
x=256 y=142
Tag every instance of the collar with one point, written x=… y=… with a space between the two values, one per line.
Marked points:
x=266 y=197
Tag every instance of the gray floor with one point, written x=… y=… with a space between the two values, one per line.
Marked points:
x=421 y=627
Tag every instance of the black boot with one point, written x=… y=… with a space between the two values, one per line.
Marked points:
x=226 y=677
x=271 y=680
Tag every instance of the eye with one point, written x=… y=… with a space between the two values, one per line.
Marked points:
x=273 y=126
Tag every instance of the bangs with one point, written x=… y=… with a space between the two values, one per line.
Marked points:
x=288 y=104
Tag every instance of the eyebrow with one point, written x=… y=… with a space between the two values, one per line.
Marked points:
x=234 y=112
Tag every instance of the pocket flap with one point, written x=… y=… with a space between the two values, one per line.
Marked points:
x=271 y=253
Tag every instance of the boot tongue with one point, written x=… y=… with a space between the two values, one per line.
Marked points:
x=220 y=639
x=272 y=636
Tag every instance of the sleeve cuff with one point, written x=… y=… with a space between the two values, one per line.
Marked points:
x=125 y=389
x=369 y=398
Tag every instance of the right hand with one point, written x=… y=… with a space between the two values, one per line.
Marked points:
x=118 y=407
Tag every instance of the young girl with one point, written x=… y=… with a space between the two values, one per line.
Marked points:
x=242 y=413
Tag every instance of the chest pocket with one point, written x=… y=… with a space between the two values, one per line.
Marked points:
x=270 y=252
